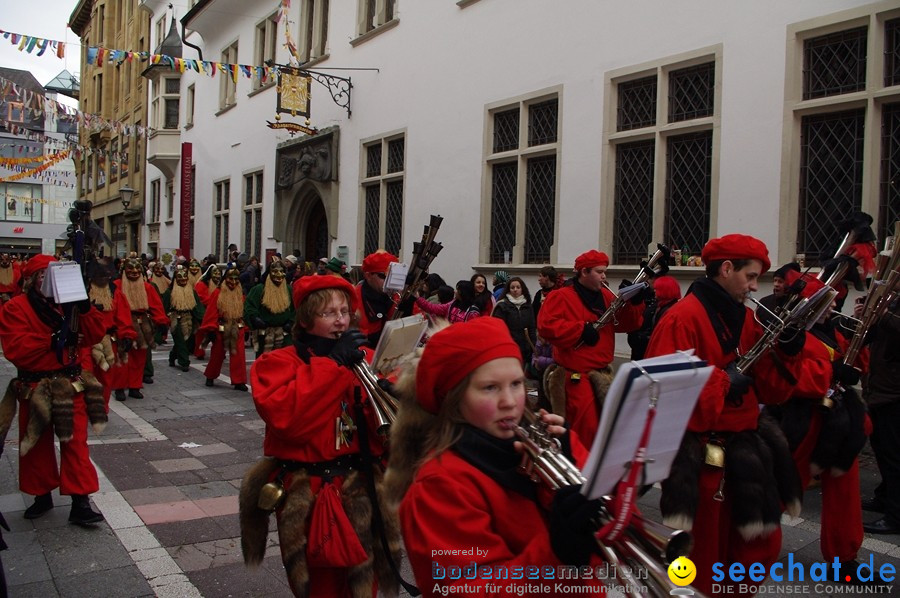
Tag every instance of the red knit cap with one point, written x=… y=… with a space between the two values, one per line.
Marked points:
x=455 y=352
x=813 y=284
x=378 y=262
x=736 y=247
x=36 y=264
x=309 y=284
x=591 y=259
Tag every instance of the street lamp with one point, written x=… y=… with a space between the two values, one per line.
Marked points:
x=127 y=193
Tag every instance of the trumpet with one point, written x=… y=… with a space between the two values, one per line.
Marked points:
x=652 y=268
x=384 y=405
x=644 y=544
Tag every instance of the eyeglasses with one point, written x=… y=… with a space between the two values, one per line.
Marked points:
x=381 y=275
x=334 y=315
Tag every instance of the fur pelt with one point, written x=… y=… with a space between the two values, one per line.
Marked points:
x=273 y=338
x=600 y=382
x=841 y=437
x=40 y=405
x=680 y=491
x=61 y=394
x=103 y=353
x=144 y=327
x=8 y=407
x=181 y=323
x=292 y=522
x=555 y=388
x=755 y=509
x=230 y=335
x=788 y=480
x=94 y=402
x=254 y=521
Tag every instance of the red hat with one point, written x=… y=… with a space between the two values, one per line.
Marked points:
x=378 y=262
x=591 y=259
x=813 y=284
x=309 y=284
x=36 y=264
x=736 y=247
x=667 y=290
x=456 y=351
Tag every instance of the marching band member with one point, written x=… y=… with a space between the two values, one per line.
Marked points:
x=583 y=354
x=454 y=467
x=734 y=470
x=53 y=395
x=316 y=451
x=377 y=306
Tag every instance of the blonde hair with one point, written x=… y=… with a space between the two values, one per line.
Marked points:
x=315 y=302
x=417 y=435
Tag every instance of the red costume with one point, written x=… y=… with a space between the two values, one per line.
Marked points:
x=131 y=374
x=117 y=324
x=14 y=287
x=687 y=326
x=842 y=532
x=376 y=307
x=237 y=360
x=26 y=344
x=202 y=289
x=561 y=323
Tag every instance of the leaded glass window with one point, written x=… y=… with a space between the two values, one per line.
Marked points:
x=892 y=52
x=834 y=64
x=889 y=205
x=633 y=201
x=636 y=104
x=503 y=211
x=540 y=202
x=506 y=130
x=542 y=122
x=688 y=189
x=393 y=221
x=373 y=203
x=692 y=92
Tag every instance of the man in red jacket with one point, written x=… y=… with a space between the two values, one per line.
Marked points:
x=377 y=306
x=734 y=470
x=583 y=354
x=50 y=388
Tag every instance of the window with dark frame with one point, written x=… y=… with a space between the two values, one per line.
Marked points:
x=834 y=64
x=383 y=195
x=633 y=220
x=889 y=198
x=636 y=107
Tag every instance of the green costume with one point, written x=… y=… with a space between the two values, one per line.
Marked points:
x=183 y=324
x=271 y=331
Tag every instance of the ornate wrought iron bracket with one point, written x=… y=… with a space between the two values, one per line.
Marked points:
x=338 y=87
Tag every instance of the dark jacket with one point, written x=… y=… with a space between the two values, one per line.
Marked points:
x=880 y=386
x=520 y=321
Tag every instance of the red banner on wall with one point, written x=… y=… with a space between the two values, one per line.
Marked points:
x=187 y=197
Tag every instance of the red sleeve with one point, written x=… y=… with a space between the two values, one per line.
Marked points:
x=202 y=290
x=210 y=321
x=122 y=317
x=629 y=317
x=293 y=397
x=155 y=306
x=92 y=326
x=555 y=323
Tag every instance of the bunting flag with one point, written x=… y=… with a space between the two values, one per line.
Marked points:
x=37 y=106
x=99 y=56
x=52 y=202
x=26 y=160
x=31 y=172
x=27 y=43
x=288 y=40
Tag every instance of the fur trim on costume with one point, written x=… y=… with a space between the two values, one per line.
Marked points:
x=94 y=403
x=144 y=328
x=181 y=324
x=8 y=408
x=750 y=485
x=600 y=383
x=230 y=335
x=680 y=491
x=555 y=388
x=292 y=532
x=785 y=471
x=38 y=415
x=103 y=353
x=62 y=393
x=255 y=521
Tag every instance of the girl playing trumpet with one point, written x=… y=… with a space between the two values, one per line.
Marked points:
x=454 y=469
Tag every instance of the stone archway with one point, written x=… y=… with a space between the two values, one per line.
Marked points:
x=317 y=241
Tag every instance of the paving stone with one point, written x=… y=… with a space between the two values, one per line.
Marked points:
x=69 y=553
x=224 y=459
x=197 y=530
x=216 y=448
x=149 y=496
x=173 y=465
x=14 y=501
x=204 y=555
x=137 y=538
x=169 y=512
x=213 y=489
x=221 y=581
x=122 y=582
x=25 y=568
x=22 y=542
x=41 y=589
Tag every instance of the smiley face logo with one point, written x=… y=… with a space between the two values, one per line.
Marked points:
x=682 y=571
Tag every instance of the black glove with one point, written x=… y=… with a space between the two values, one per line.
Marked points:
x=127 y=344
x=740 y=384
x=346 y=350
x=662 y=265
x=405 y=307
x=410 y=277
x=83 y=306
x=847 y=375
x=791 y=341
x=210 y=337
x=288 y=327
x=572 y=527
x=387 y=386
x=257 y=323
x=589 y=336
x=162 y=329
x=852 y=273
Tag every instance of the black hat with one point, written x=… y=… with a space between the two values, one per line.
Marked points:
x=782 y=271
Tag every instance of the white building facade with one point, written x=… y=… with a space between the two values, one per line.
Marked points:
x=537 y=130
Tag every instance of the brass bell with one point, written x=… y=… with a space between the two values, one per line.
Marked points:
x=221 y=327
x=270 y=496
x=77 y=385
x=715 y=455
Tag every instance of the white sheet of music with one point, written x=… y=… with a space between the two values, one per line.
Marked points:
x=398 y=339
x=395 y=279
x=63 y=282
x=680 y=378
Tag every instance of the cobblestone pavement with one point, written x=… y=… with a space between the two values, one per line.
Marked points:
x=170 y=467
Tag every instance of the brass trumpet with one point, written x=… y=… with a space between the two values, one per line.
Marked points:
x=384 y=405
x=645 y=543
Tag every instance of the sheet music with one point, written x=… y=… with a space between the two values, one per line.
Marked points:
x=398 y=339
x=681 y=377
x=395 y=279
x=63 y=283
x=626 y=293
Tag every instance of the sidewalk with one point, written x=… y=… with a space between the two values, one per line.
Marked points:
x=170 y=467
